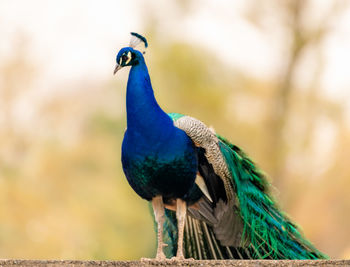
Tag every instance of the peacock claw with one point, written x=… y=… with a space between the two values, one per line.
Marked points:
x=180 y=258
x=161 y=258
x=157 y=258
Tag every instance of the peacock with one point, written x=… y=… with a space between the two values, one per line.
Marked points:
x=210 y=200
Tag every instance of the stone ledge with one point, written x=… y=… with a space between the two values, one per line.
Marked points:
x=151 y=263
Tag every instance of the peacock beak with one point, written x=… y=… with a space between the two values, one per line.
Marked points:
x=117 y=67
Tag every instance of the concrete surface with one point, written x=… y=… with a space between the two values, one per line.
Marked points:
x=169 y=263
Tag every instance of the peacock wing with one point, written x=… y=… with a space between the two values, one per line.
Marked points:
x=250 y=213
x=214 y=227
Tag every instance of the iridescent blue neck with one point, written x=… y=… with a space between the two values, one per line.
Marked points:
x=144 y=116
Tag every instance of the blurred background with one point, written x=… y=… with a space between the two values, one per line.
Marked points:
x=271 y=76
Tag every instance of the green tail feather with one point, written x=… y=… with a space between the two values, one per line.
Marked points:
x=268 y=233
x=268 y=230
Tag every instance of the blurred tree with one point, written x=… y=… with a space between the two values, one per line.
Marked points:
x=17 y=73
x=303 y=37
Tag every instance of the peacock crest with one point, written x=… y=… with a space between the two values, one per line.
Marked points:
x=136 y=40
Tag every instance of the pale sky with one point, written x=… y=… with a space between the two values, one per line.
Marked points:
x=77 y=39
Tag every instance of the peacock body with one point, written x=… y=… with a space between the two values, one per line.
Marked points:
x=158 y=158
x=210 y=201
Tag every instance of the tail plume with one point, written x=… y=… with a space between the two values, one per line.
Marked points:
x=267 y=234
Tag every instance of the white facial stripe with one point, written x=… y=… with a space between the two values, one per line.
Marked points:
x=129 y=58
x=120 y=60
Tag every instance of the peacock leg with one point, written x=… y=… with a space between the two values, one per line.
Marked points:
x=181 y=216
x=158 y=209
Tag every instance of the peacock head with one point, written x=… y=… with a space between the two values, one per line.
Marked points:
x=128 y=56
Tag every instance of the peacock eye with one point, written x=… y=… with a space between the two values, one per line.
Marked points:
x=125 y=58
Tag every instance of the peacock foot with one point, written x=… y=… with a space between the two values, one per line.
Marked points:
x=177 y=258
x=153 y=259
x=181 y=258
x=159 y=257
